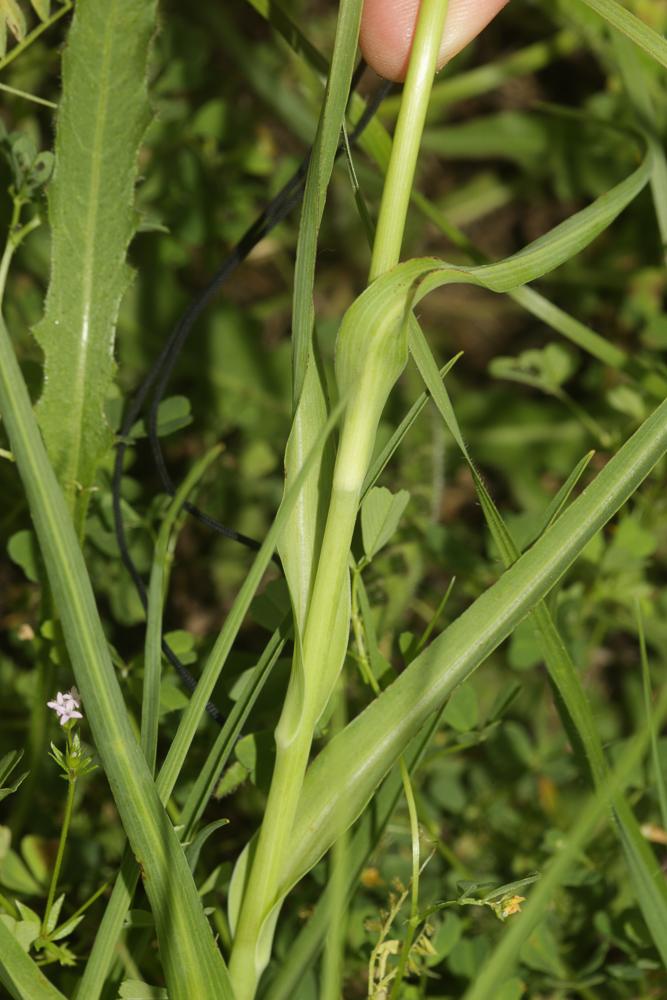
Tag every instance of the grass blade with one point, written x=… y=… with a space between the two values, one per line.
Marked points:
x=191 y=960
x=19 y=974
x=355 y=762
x=629 y=25
x=502 y=960
x=150 y=700
x=102 y=954
x=317 y=180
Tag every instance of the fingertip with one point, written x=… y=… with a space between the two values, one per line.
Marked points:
x=388 y=26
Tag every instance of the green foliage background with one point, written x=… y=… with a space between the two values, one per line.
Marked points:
x=234 y=109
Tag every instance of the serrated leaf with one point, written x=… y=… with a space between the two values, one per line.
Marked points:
x=380 y=513
x=92 y=217
x=234 y=776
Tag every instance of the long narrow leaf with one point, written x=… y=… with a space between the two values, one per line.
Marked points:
x=503 y=958
x=102 y=953
x=629 y=25
x=192 y=963
x=317 y=180
x=150 y=701
x=345 y=775
x=19 y=974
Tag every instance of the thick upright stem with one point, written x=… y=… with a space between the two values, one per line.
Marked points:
x=407 y=137
x=306 y=698
x=311 y=683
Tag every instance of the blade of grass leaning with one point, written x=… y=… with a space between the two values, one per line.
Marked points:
x=342 y=779
x=102 y=117
x=150 y=700
x=301 y=540
x=380 y=463
x=573 y=705
x=505 y=955
x=632 y=27
x=205 y=782
x=304 y=536
x=557 y=504
x=377 y=144
x=651 y=721
x=190 y=957
x=317 y=180
x=307 y=945
x=637 y=86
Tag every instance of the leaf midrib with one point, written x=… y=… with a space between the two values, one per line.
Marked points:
x=72 y=476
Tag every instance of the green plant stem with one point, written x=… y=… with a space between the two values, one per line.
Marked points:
x=310 y=684
x=67 y=818
x=332 y=969
x=306 y=698
x=409 y=127
x=414 y=886
x=82 y=909
x=38 y=730
x=26 y=96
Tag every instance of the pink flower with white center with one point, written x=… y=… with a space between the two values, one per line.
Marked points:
x=66 y=706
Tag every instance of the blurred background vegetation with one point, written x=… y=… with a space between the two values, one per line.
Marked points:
x=235 y=111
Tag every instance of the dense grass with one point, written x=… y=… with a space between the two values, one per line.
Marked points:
x=492 y=677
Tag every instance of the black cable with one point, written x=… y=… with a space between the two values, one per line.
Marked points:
x=159 y=374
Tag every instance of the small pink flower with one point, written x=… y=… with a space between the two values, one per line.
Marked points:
x=66 y=706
